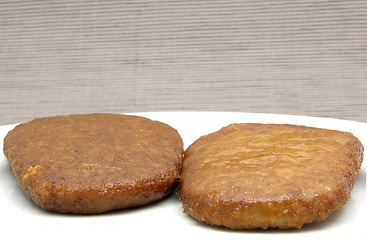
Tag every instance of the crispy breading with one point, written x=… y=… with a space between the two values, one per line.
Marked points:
x=93 y=163
x=249 y=176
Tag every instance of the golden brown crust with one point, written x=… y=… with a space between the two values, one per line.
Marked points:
x=249 y=176
x=94 y=163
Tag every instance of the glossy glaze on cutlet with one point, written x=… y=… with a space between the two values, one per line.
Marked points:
x=249 y=176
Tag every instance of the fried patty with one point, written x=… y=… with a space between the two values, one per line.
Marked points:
x=93 y=163
x=248 y=176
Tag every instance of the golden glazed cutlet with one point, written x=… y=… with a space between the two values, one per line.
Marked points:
x=93 y=163
x=249 y=176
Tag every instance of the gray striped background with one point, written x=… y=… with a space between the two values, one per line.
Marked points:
x=289 y=57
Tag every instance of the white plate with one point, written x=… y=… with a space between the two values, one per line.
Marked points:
x=165 y=219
